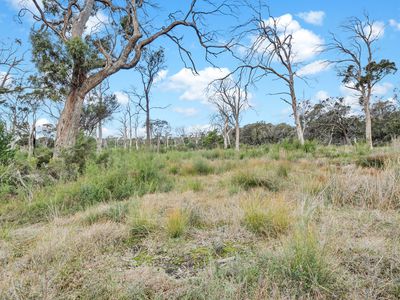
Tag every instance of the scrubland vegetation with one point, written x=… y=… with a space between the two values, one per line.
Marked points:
x=278 y=221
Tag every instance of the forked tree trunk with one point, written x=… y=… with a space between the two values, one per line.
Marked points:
x=68 y=124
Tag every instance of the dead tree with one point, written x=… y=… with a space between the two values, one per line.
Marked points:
x=149 y=68
x=270 y=53
x=357 y=65
x=231 y=100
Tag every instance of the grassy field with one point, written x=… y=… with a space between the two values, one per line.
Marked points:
x=274 y=222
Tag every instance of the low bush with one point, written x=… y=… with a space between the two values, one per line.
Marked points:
x=198 y=167
x=377 y=161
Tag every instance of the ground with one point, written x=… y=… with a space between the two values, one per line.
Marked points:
x=273 y=222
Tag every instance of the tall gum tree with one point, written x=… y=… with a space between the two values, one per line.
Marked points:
x=358 y=67
x=101 y=37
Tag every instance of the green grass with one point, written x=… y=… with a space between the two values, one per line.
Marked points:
x=302 y=267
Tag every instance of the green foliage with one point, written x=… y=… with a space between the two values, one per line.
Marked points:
x=116 y=213
x=77 y=49
x=122 y=180
x=211 y=140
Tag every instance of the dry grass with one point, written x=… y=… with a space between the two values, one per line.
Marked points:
x=325 y=230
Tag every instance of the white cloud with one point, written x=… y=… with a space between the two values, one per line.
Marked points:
x=314 y=68
x=42 y=121
x=394 y=24
x=193 y=86
x=352 y=98
x=20 y=4
x=161 y=76
x=305 y=43
x=96 y=23
x=321 y=95
x=313 y=17
x=189 y=112
x=8 y=81
x=382 y=89
x=122 y=97
x=197 y=128
x=378 y=30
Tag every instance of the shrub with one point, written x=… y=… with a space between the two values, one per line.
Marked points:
x=309 y=146
x=198 y=167
x=177 y=222
x=269 y=218
x=201 y=167
x=248 y=180
x=377 y=161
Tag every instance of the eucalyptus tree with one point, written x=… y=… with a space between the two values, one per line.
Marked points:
x=77 y=44
x=358 y=67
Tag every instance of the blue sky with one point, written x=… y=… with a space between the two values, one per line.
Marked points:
x=312 y=20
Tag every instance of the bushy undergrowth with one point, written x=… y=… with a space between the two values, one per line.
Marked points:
x=250 y=179
x=130 y=176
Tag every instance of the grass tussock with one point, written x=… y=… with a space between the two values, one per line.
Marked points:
x=176 y=223
x=302 y=268
x=198 y=167
x=268 y=217
x=141 y=221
